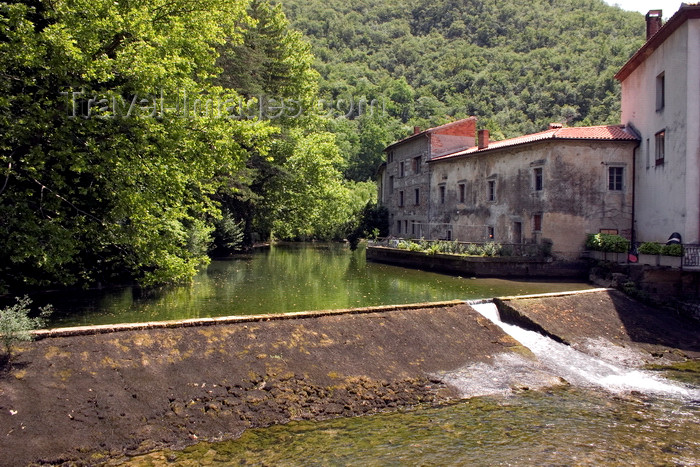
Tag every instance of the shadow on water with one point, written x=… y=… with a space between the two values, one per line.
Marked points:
x=285 y=278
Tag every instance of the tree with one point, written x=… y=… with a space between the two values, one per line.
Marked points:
x=103 y=180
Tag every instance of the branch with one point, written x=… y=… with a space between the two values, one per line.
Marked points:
x=44 y=187
x=7 y=179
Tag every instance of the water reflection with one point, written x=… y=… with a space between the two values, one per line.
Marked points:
x=284 y=279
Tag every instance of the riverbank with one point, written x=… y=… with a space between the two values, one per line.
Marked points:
x=99 y=396
x=478 y=266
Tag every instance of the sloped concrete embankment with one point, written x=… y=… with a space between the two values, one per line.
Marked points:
x=600 y=320
x=89 y=395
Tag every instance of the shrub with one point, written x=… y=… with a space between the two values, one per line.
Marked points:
x=16 y=325
x=674 y=249
x=473 y=250
x=607 y=242
x=491 y=249
x=650 y=248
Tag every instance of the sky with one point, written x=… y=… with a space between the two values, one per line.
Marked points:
x=669 y=7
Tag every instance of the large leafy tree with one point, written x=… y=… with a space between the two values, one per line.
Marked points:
x=296 y=189
x=100 y=180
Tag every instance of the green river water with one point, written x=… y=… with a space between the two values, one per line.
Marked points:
x=571 y=425
x=559 y=427
x=283 y=279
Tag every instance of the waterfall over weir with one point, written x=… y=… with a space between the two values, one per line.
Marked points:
x=563 y=361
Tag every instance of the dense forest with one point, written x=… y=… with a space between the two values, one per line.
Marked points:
x=140 y=137
x=515 y=66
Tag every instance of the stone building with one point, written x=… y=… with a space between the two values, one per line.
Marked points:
x=404 y=180
x=661 y=100
x=558 y=185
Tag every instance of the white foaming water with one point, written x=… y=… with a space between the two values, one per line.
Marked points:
x=581 y=369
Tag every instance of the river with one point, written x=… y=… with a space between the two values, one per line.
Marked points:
x=608 y=414
x=602 y=417
x=285 y=278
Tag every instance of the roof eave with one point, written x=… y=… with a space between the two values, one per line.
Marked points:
x=517 y=145
x=677 y=20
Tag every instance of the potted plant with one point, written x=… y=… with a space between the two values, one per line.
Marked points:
x=649 y=253
x=671 y=255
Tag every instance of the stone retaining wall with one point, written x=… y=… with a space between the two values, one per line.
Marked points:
x=477 y=266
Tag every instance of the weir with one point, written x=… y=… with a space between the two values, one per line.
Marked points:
x=580 y=369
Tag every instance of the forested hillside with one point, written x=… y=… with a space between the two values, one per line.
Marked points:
x=516 y=66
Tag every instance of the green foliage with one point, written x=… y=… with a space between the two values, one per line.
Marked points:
x=98 y=191
x=373 y=223
x=673 y=249
x=16 y=324
x=107 y=195
x=607 y=242
x=432 y=61
x=650 y=248
x=452 y=247
x=229 y=233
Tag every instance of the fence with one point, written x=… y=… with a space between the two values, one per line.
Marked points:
x=691 y=256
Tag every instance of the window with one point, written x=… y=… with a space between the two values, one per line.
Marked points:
x=391 y=183
x=400 y=198
x=660 y=147
x=449 y=235
x=491 y=233
x=492 y=190
x=442 y=194
x=416 y=165
x=615 y=177
x=462 y=192
x=416 y=192
x=405 y=226
x=390 y=156
x=398 y=227
x=537 y=222
x=660 y=91
x=402 y=169
x=537 y=172
x=413 y=227
x=609 y=231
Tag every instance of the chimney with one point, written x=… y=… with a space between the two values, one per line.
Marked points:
x=416 y=130
x=654 y=22
x=555 y=126
x=483 y=139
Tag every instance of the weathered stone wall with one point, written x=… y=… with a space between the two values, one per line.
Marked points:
x=574 y=198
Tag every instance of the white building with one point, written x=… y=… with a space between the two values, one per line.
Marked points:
x=661 y=100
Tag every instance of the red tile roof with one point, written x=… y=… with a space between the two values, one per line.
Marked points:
x=597 y=133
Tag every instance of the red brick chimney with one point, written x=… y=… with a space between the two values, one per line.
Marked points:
x=416 y=130
x=654 y=22
x=483 y=139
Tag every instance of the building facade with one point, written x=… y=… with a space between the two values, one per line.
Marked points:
x=555 y=186
x=404 y=180
x=661 y=100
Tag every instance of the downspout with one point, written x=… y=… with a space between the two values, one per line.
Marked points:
x=634 y=192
